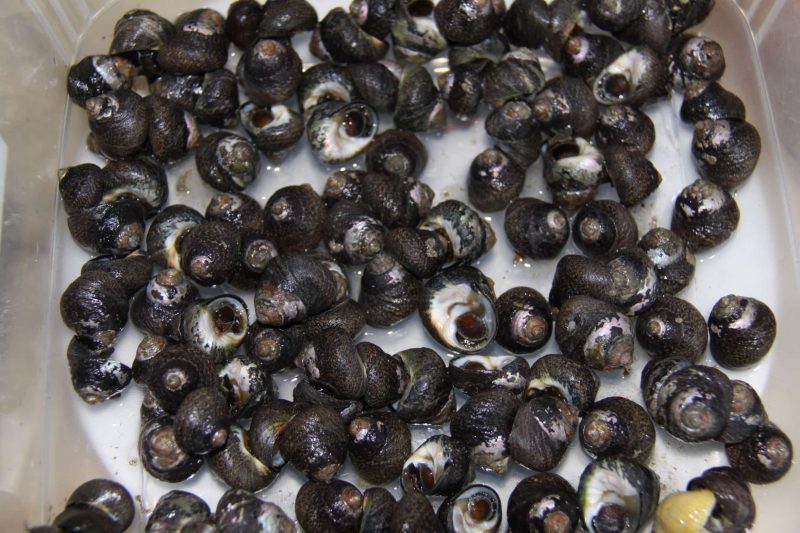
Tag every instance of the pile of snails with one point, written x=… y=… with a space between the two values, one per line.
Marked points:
x=208 y=370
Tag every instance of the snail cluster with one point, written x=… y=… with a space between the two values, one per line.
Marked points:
x=207 y=363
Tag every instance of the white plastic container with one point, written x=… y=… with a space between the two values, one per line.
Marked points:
x=50 y=441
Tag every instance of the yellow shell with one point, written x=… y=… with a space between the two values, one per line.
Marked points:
x=685 y=512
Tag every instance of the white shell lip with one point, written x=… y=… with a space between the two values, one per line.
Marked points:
x=452 y=301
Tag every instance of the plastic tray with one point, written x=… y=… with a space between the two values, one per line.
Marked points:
x=58 y=441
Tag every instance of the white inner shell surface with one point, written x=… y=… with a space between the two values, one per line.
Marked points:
x=758 y=260
x=455 y=300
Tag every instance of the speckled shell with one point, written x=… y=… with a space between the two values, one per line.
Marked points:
x=711 y=101
x=345 y=42
x=140 y=178
x=119 y=123
x=236 y=465
x=294 y=218
x=397 y=153
x=735 y=506
x=375 y=84
x=516 y=132
x=379 y=444
x=166 y=232
x=132 y=271
x=634 y=177
x=672 y=328
x=475 y=373
x=293 y=287
x=586 y=55
x=95 y=377
x=540 y=499
x=518 y=74
x=419 y=106
x=389 y=293
x=580 y=275
x=573 y=169
x=201 y=421
x=158 y=307
x=484 y=423
x=269 y=72
x=725 y=151
x=457 y=309
x=558 y=375
x=494 y=180
x=764 y=457
x=273 y=348
x=285 y=18
x=218 y=100
x=429 y=396
x=524 y=320
x=705 y=215
x=468 y=22
x=343 y=185
x=331 y=361
x=617 y=426
x=331 y=506
x=566 y=104
x=198 y=44
x=742 y=331
x=542 y=431
x=445 y=458
x=172 y=131
x=396 y=202
x=348 y=316
x=652 y=27
x=176 y=371
x=269 y=420
x=95 y=306
x=378 y=508
x=274 y=130
x=306 y=393
x=210 y=252
x=627 y=126
x=593 y=332
x=421 y=252
x=536 y=229
x=470 y=236
x=387 y=377
x=462 y=90
x=315 y=442
x=96 y=75
x=81 y=187
x=226 y=161
x=160 y=454
x=239 y=209
x=674 y=262
x=746 y=416
x=603 y=227
x=414 y=513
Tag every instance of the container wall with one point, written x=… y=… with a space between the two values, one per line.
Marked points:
x=38 y=39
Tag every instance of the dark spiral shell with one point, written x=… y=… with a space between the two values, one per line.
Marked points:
x=524 y=320
x=634 y=177
x=673 y=260
x=541 y=500
x=742 y=331
x=95 y=307
x=726 y=151
x=285 y=18
x=198 y=44
x=429 y=396
x=397 y=153
x=379 y=444
x=345 y=42
x=604 y=227
x=542 y=430
x=119 y=123
x=627 y=126
x=617 y=426
x=705 y=215
x=294 y=218
x=494 y=181
x=557 y=375
x=132 y=271
x=210 y=252
x=735 y=507
x=536 y=228
x=236 y=465
x=161 y=455
x=315 y=442
x=672 y=328
x=711 y=101
x=269 y=72
x=329 y=506
x=763 y=457
x=226 y=161
x=389 y=293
